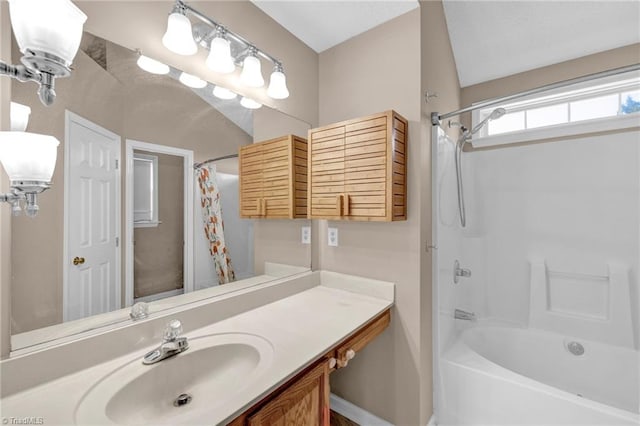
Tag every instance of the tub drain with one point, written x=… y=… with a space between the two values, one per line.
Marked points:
x=182 y=399
x=575 y=348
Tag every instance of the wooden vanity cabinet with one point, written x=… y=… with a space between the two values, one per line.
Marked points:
x=304 y=400
x=357 y=169
x=273 y=179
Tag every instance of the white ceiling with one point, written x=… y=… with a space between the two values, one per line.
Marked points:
x=492 y=39
x=324 y=24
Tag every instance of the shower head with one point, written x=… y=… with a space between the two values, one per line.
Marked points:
x=495 y=114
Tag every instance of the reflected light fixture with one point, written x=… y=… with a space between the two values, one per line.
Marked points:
x=192 y=81
x=278 y=84
x=223 y=93
x=249 y=103
x=19 y=117
x=220 y=59
x=48 y=33
x=29 y=159
x=152 y=66
x=251 y=75
x=179 y=35
x=226 y=49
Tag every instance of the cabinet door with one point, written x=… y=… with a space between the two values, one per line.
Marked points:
x=365 y=167
x=251 y=181
x=276 y=178
x=326 y=177
x=304 y=403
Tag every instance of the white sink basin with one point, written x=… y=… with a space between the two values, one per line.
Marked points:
x=213 y=369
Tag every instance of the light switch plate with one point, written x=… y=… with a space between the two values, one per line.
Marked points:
x=332 y=237
x=306 y=235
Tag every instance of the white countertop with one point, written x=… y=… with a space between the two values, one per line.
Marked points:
x=301 y=328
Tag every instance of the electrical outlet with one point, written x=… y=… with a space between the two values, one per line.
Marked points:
x=332 y=237
x=306 y=235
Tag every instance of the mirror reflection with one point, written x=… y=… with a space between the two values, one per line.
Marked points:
x=144 y=205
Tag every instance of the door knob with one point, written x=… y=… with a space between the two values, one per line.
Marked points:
x=78 y=260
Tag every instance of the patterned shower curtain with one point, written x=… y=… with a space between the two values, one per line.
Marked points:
x=213 y=224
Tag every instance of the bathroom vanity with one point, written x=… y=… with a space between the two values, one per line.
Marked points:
x=261 y=356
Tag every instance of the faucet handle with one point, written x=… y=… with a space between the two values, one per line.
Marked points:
x=173 y=330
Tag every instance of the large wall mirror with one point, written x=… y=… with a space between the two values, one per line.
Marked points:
x=144 y=202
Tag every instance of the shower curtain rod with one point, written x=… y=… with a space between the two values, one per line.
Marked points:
x=211 y=160
x=436 y=117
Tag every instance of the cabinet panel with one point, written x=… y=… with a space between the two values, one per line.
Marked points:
x=273 y=179
x=357 y=169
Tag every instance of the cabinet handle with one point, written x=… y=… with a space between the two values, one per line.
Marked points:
x=339 y=203
x=350 y=354
x=332 y=362
x=347 y=205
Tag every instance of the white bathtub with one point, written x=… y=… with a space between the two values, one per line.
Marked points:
x=500 y=375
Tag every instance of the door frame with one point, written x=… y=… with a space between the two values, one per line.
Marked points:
x=188 y=219
x=70 y=117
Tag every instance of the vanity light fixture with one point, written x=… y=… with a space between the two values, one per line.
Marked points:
x=249 y=103
x=152 y=66
x=224 y=93
x=179 y=35
x=227 y=49
x=220 y=59
x=251 y=75
x=192 y=81
x=19 y=117
x=278 y=84
x=29 y=159
x=48 y=33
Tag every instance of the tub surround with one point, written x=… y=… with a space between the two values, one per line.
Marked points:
x=302 y=317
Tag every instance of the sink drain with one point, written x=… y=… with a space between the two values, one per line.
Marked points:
x=575 y=348
x=182 y=399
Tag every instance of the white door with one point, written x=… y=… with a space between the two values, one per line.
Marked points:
x=92 y=225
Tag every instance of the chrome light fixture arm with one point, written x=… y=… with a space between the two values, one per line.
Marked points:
x=182 y=7
x=45 y=79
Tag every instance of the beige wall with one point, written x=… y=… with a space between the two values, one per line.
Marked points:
x=373 y=72
x=5 y=212
x=590 y=64
x=158 y=259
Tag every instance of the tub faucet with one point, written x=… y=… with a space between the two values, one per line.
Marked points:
x=460 y=272
x=171 y=344
x=464 y=315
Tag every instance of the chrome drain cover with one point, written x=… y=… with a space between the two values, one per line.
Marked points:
x=182 y=399
x=575 y=348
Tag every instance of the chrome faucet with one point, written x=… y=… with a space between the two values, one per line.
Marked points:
x=171 y=344
x=460 y=272
x=464 y=315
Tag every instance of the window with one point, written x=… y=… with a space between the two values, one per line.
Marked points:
x=599 y=105
x=145 y=190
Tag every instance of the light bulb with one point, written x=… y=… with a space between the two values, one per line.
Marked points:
x=249 y=103
x=19 y=117
x=251 y=72
x=28 y=156
x=219 y=59
x=278 y=85
x=179 y=35
x=152 y=66
x=223 y=93
x=192 y=81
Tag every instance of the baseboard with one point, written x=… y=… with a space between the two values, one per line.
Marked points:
x=355 y=413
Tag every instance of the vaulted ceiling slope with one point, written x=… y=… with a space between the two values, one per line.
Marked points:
x=493 y=39
x=324 y=24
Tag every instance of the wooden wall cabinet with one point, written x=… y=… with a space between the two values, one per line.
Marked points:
x=304 y=400
x=273 y=179
x=358 y=169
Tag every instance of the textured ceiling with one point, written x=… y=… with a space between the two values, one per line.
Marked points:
x=493 y=39
x=324 y=24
